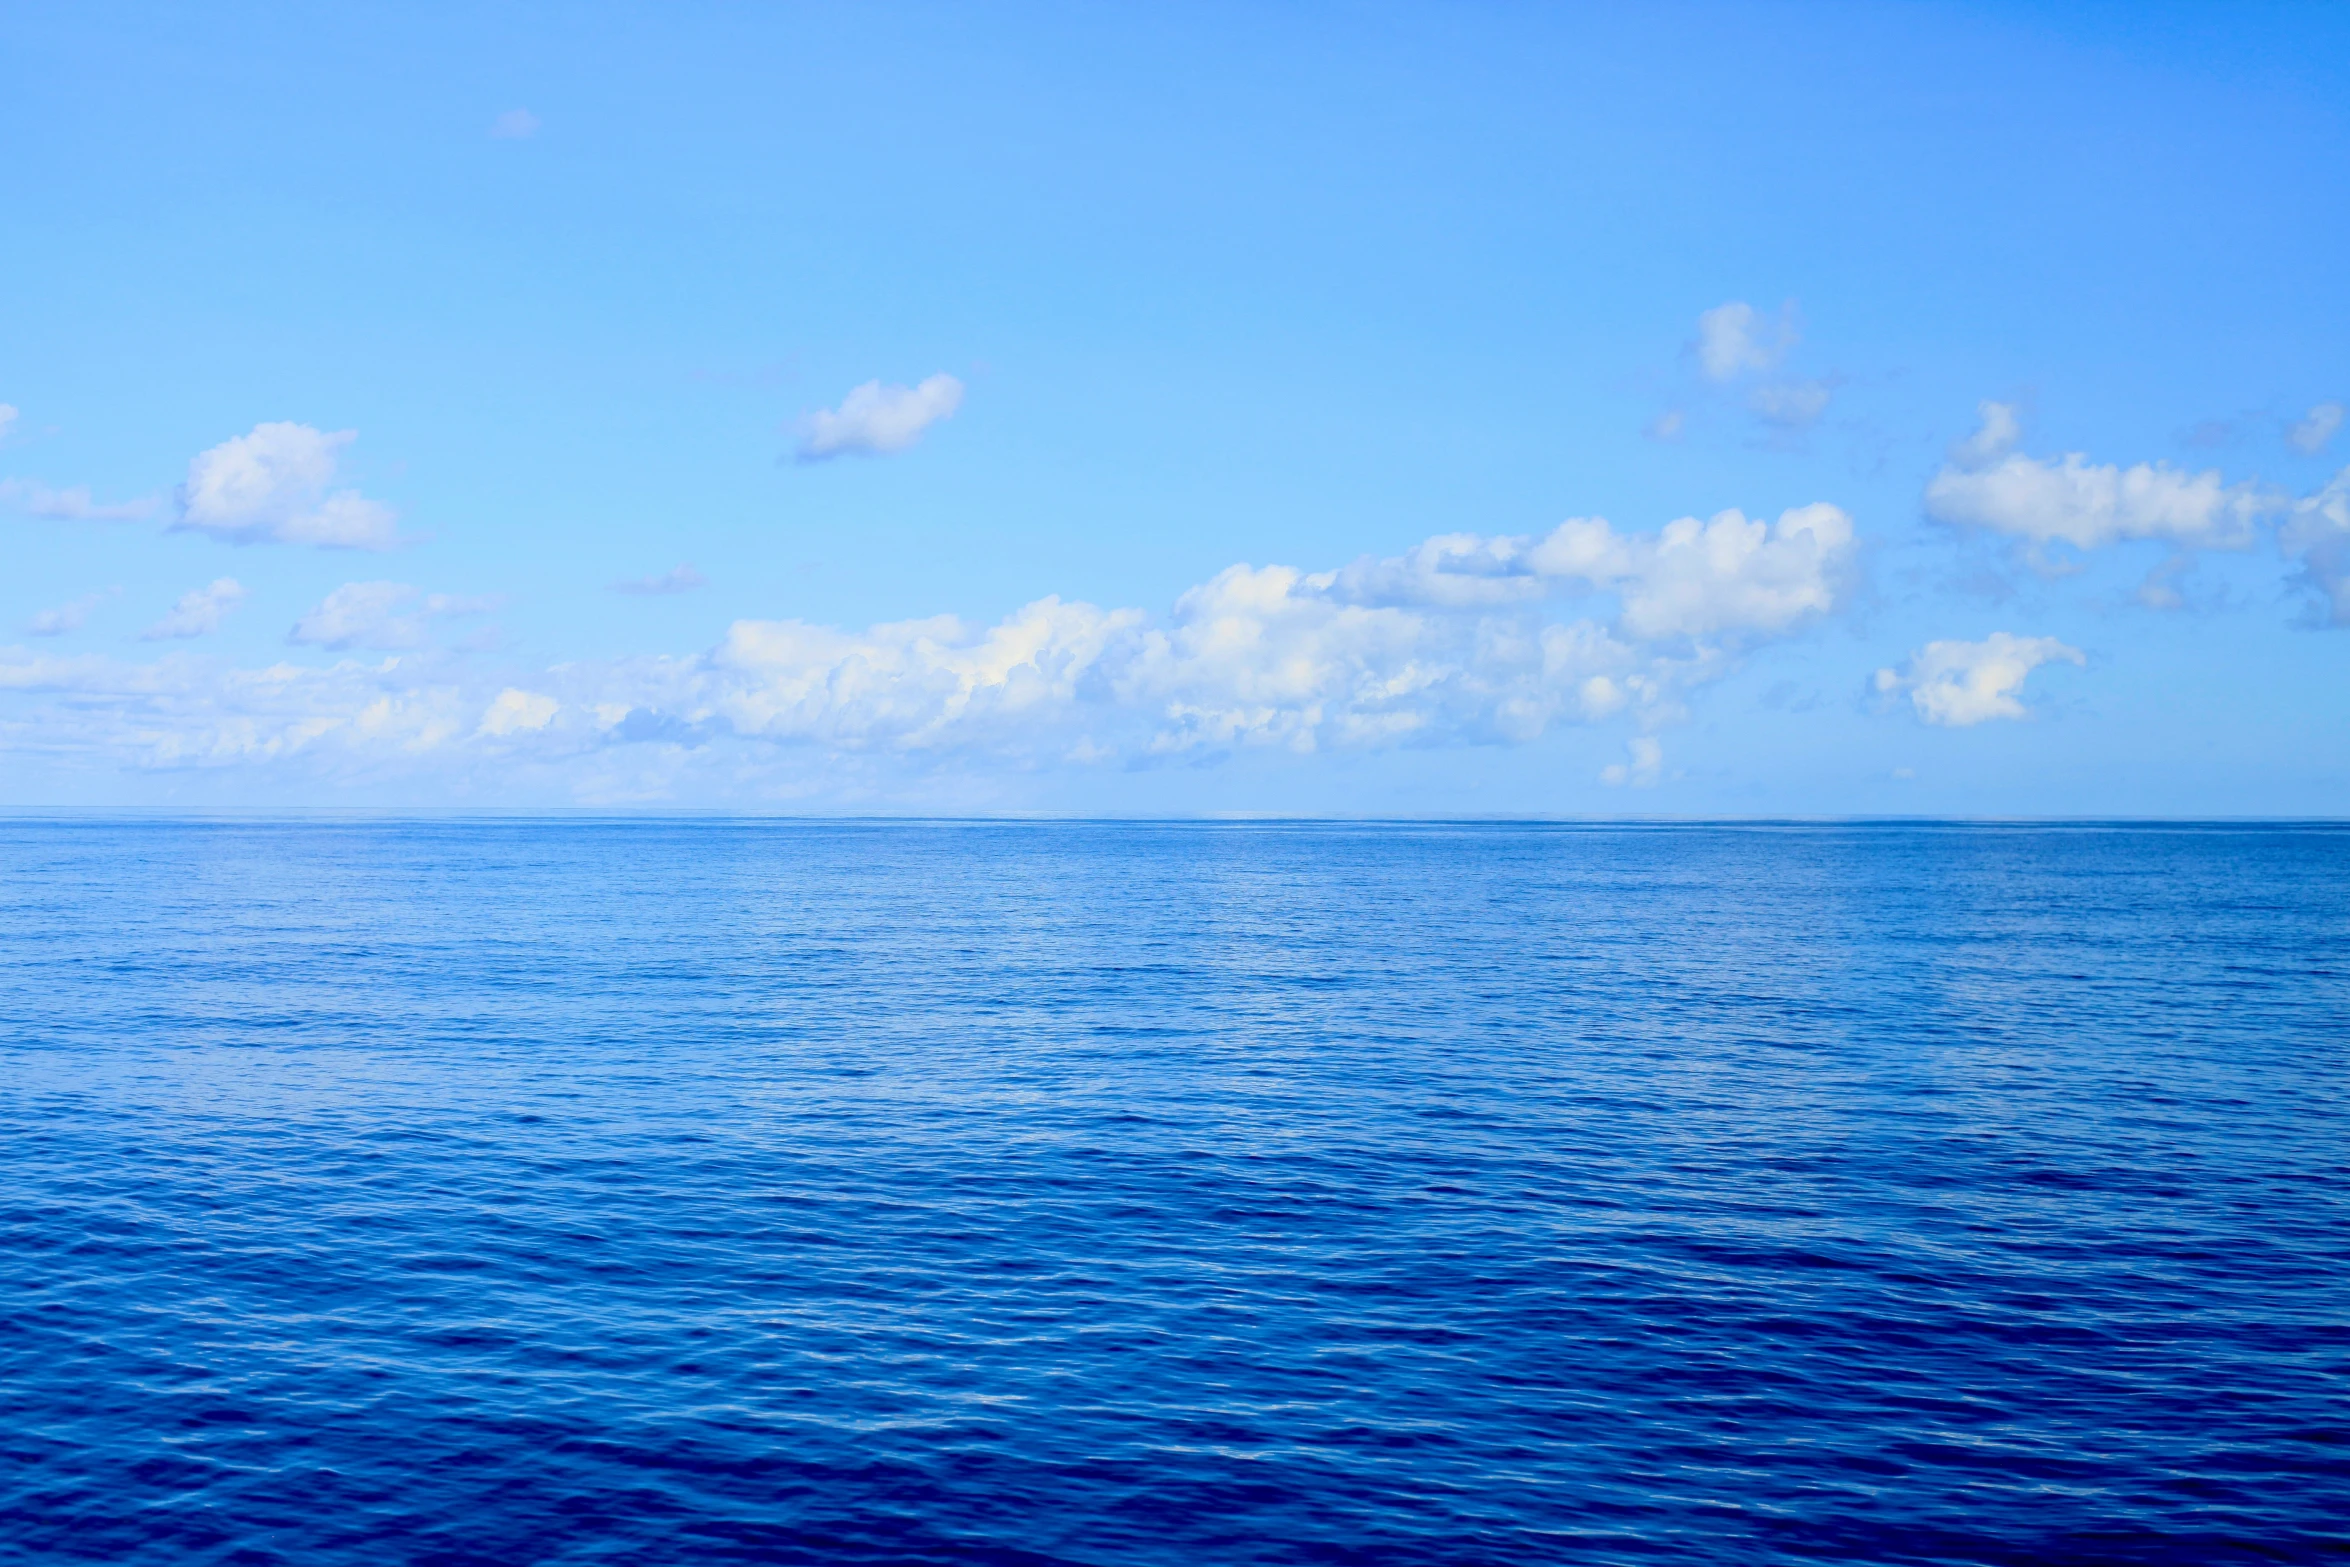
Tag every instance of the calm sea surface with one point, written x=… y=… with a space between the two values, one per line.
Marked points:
x=426 y=1191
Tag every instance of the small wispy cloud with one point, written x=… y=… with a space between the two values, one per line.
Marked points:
x=2309 y=435
x=2318 y=533
x=383 y=615
x=8 y=413
x=198 y=613
x=1999 y=426
x=678 y=579
x=69 y=616
x=1790 y=405
x=1734 y=338
x=876 y=419
x=515 y=125
x=1645 y=767
x=73 y=503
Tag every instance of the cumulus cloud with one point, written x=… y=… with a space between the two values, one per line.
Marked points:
x=1733 y=574
x=2071 y=500
x=381 y=615
x=516 y=711
x=72 y=504
x=272 y=485
x=875 y=419
x=515 y=125
x=198 y=613
x=910 y=685
x=677 y=579
x=1464 y=639
x=1734 y=338
x=65 y=617
x=1957 y=684
x=2309 y=434
x=1728 y=574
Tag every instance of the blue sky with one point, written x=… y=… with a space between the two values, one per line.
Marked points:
x=357 y=355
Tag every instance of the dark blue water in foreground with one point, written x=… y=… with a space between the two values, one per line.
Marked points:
x=688 y=1192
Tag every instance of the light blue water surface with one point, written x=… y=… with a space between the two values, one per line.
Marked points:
x=668 y=1191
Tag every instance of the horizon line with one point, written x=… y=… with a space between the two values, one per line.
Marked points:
x=1219 y=818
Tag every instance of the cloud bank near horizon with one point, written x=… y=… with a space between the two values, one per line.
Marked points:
x=1458 y=641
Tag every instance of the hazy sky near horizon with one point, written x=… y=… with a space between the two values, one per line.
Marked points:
x=1353 y=409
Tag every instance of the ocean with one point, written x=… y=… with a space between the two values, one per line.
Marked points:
x=385 y=1190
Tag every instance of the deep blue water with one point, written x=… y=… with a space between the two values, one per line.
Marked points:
x=690 y=1191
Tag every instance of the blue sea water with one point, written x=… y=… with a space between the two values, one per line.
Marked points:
x=682 y=1191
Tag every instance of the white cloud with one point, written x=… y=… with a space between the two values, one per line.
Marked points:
x=2071 y=500
x=876 y=419
x=272 y=486
x=1733 y=574
x=516 y=711
x=1733 y=338
x=182 y=711
x=1667 y=426
x=911 y=685
x=1269 y=657
x=2318 y=532
x=1790 y=405
x=66 y=617
x=1726 y=575
x=1996 y=434
x=678 y=579
x=2310 y=434
x=1464 y=639
x=73 y=504
x=8 y=413
x=382 y=615
x=1961 y=683
x=198 y=613
x=1646 y=765
x=515 y=125
x=1443 y=644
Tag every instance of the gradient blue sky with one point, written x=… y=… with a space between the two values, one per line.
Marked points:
x=1292 y=286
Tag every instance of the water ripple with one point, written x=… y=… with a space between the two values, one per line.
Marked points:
x=658 y=1192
